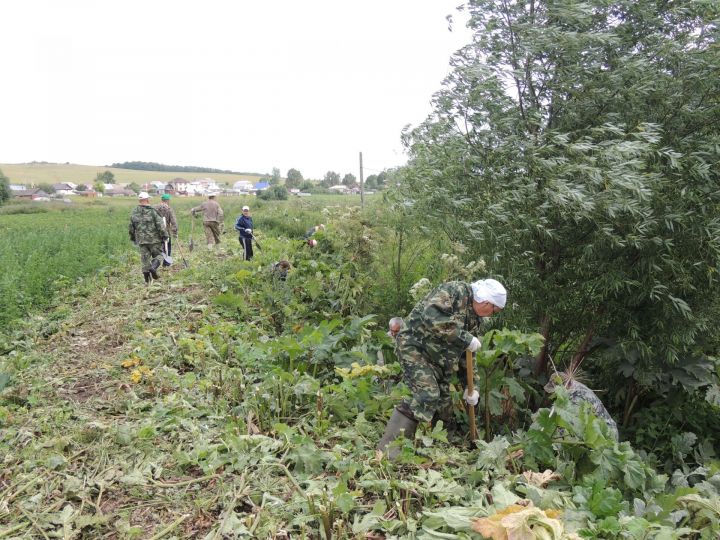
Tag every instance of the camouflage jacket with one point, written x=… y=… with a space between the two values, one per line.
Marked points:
x=168 y=215
x=146 y=225
x=579 y=393
x=443 y=323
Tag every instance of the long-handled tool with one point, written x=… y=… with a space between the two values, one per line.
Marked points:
x=191 y=244
x=470 y=390
x=167 y=258
x=185 y=263
x=256 y=242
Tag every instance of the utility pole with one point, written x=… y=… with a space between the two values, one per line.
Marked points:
x=362 y=186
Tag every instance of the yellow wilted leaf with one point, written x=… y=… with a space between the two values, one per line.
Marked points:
x=552 y=513
x=131 y=362
x=136 y=376
x=517 y=522
x=490 y=528
x=145 y=371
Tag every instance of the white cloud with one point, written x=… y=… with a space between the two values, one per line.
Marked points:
x=242 y=85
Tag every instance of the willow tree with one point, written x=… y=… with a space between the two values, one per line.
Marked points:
x=575 y=146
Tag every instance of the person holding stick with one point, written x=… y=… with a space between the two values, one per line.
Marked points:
x=147 y=230
x=244 y=225
x=168 y=215
x=431 y=345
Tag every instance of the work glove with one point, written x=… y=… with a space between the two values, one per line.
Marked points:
x=249 y=231
x=474 y=345
x=472 y=399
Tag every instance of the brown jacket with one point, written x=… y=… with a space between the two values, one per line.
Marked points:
x=211 y=211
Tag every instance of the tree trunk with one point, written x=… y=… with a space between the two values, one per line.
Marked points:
x=542 y=358
x=583 y=349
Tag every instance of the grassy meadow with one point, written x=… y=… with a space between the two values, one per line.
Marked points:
x=46 y=247
x=52 y=173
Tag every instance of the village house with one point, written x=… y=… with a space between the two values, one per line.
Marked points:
x=243 y=186
x=32 y=194
x=64 y=188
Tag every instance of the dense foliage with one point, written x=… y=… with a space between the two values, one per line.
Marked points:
x=578 y=145
x=5 y=193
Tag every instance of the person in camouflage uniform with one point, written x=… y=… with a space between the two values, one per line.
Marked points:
x=148 y=231
x=429 y=346
x=168 y=215
x=213 y=217
x=578 y=394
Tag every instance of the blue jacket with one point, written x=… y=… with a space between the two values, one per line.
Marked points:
x=242 y=223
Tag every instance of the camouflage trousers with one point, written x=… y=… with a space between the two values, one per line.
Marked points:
x=148 y=253
x=428 y=377
x=212 y=232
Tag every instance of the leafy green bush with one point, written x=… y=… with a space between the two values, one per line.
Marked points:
x=274 y=193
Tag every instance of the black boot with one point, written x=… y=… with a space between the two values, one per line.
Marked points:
x=147 y=277
x=153 y=269
x=399 y=425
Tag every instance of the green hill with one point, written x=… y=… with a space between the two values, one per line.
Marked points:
x=51 y=173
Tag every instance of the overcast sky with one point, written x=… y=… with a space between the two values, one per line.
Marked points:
x=245 y=85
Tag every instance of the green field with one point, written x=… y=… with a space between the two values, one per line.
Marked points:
x=46 y=247
x=52 y=173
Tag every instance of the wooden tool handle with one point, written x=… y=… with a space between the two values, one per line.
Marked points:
x=470 y=390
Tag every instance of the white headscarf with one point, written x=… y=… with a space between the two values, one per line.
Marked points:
x=489 y=290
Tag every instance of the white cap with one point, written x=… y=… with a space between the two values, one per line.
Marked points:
x=489 y=290
x=246 y=208
x=143 y=195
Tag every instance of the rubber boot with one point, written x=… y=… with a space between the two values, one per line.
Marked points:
x=153 y=269
x=398 y=426
x=147 y=277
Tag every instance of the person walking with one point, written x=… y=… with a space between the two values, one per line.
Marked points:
x=168 y=215
x=148 y=232
x=431 y=344
x=213 y=217
x=244 y=225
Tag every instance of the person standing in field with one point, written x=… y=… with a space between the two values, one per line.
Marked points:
x=148 y=232
x=244 y=225
x=213 y=217
x=429 y=346
x=168 y=215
